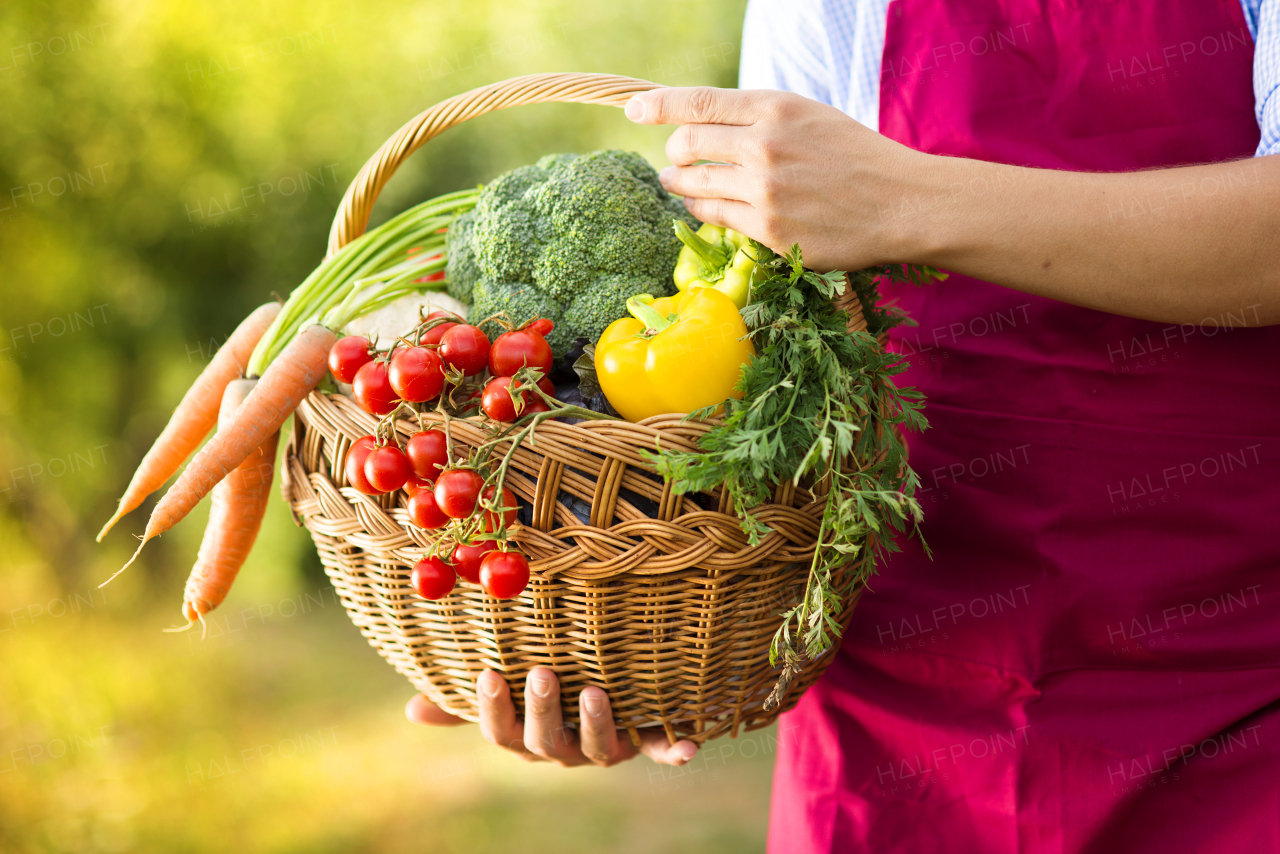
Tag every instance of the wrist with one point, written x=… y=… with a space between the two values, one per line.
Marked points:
x=926 y=207
x=946 y=209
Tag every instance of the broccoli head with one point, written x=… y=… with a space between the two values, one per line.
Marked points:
x=581 y=233
x=461 y=272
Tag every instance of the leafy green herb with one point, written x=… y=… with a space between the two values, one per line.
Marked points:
x=819 y=405
x=585 y=367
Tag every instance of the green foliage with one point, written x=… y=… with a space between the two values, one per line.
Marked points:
x=815 y=397
x=880 y=317
x=572 y=227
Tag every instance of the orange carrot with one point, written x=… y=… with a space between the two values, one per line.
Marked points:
x=196 y=415
x=238 y=504
x=290 y=378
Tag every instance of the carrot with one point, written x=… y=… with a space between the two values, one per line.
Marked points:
x=238 y=505
x=196 y=415
x=288 y=379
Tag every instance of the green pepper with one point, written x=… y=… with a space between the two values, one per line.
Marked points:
x=715 y=257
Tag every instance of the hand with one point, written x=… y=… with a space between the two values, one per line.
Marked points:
x=795 y=171
x=543 y=734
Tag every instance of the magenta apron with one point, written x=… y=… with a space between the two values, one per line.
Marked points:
x=1091 y=661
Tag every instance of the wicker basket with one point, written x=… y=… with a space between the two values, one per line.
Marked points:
x=669 y=610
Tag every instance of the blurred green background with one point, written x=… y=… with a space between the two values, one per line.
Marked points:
x=165 y=167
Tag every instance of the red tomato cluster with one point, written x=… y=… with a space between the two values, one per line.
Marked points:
x=503 y=575
x=378 y=469
x=521 y=348
x=411 y=374
x=437 y=492
x=416 y=374
x=437 y=495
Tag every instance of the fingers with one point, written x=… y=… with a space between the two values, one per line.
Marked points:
x=654 y=744
x=714 y=194
x=544 y=735
x=498 y=722
x=420 y=710
x=707 y=182
x=739 y=216
x=690 y=143
x=599 y=737
x=697 y=105
x=544 y=731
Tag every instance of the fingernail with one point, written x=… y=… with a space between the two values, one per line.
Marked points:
x=664 y=175
x=490 y=684
x=686 y=751
x=540 y=686
x=635 y=109
x=593 y=704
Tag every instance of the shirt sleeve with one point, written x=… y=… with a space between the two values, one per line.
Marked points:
x=1266 y=75
x=784 y=46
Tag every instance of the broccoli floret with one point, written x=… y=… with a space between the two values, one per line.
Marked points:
x=461 y=270
x=570 y=228
x=605 y=300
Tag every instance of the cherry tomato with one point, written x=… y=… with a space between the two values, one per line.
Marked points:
x=414 y=483
x=535 y=404
x=466 y=348
x=506 y=517
x=466 y=559
x=504 y=575
x=431 y=338
x=428 y=454
x=457 y=491
x=416 y=374
x=433 y=578
x=521 y=348
x=347 y=356
x=542 y=326
x=423 y=511
x=497 y=402
x=372 y=389
x=356 y=457
x=387 y=468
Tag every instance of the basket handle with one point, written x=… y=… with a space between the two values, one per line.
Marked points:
x=352 y=217
x=610 y=90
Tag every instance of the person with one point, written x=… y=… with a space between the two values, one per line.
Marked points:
x=1091 y=659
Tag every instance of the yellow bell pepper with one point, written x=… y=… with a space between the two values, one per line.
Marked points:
x=676 y=354
x=715 y=257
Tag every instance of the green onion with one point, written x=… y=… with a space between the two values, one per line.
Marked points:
x=366 y=274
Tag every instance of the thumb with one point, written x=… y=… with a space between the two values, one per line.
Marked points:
x=694 y=105
x=420 y=710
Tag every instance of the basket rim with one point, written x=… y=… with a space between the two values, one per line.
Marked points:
x=352 y=215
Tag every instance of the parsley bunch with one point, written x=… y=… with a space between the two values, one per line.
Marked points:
x=819 y=405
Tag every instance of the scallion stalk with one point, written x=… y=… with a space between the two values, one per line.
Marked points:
x=365 y=274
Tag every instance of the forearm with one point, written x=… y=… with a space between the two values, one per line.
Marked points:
x=1171 y=245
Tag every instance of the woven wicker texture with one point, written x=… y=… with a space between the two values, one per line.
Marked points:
x=656 y=598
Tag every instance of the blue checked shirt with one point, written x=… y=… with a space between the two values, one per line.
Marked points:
x=830 y=50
